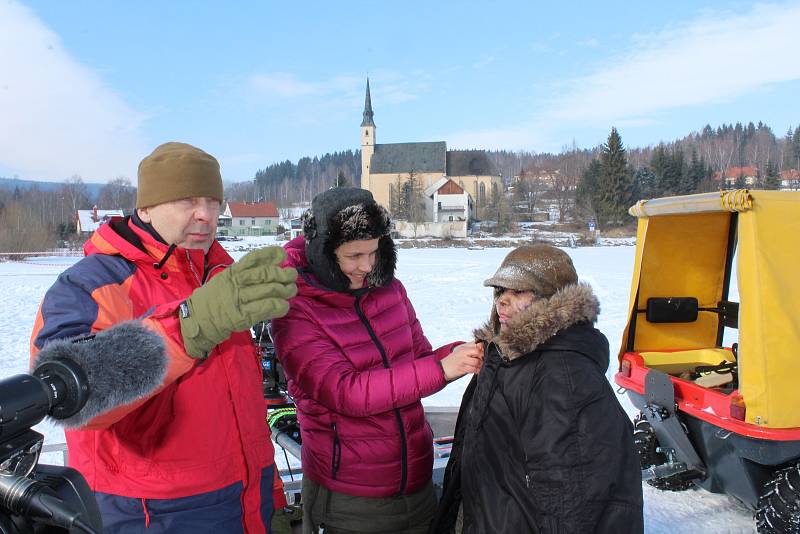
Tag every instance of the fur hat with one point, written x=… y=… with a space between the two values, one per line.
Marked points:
x=345 y=214
x=174 y=171
x=543 y=269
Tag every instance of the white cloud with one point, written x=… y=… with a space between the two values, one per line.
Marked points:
x=713 y=59
x=710 y=60
x=58 y=118
x=284 y=85
x=387 y=86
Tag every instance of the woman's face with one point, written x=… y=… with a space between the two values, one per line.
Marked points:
x=356 y=259
x=510 y=302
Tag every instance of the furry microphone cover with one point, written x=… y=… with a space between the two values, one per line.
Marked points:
x=122 y=364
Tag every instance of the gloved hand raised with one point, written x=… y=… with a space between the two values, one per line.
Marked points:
x=251 y=290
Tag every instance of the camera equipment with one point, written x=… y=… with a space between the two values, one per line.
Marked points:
x=274 y=379
x=281 y=412
x=39 y=498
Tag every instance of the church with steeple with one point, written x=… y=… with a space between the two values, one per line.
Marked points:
x=456 y=183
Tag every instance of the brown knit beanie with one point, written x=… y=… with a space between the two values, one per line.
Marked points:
x=543 y=269
x=174 y=171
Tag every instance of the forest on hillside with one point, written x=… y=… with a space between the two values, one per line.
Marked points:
x=717 y=149
x=579 y=184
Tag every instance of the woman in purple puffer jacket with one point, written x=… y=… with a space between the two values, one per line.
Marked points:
x=357 y=364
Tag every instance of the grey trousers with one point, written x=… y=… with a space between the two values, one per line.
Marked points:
x=331 y=512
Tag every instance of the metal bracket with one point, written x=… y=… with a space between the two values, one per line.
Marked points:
x=660 y=413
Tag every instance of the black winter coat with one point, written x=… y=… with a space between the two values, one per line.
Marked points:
x=542 y=444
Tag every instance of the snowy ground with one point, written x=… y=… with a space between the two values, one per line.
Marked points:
x=445 y=286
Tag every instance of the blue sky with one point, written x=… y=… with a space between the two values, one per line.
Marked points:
x=90 y=87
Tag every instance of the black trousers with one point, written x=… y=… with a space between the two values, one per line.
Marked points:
x=332 y=512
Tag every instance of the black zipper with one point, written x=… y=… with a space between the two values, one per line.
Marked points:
x=403 y=444
x=336 y=453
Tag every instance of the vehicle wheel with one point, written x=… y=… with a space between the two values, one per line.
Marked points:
x=646 y=443
x=673 y=483
x=779 y=505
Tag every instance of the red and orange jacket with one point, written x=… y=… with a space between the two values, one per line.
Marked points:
x=204 y=428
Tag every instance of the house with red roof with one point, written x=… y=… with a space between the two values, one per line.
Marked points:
x=748 y=173
x=790 y=179
x=249 y=218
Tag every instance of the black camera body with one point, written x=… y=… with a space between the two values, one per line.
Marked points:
x=69 y=487
x=41 y=498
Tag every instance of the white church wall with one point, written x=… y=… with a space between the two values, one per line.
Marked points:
x=410 y=230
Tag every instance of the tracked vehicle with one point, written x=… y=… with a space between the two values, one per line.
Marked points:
x=718 y=411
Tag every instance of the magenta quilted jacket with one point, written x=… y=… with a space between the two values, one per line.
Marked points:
x=357 y=367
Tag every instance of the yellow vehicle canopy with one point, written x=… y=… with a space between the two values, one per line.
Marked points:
x=682 y=248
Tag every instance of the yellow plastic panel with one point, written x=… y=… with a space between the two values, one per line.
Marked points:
x=769 y=314
x=682 y=256
x=685 y=360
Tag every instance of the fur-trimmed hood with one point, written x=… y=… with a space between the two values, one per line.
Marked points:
x=347 y=214
x=542 y=320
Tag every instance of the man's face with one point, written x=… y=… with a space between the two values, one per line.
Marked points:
x=187 y=223
x=510 y=302
x=356 y=259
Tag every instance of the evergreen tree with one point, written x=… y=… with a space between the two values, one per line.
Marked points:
x=587 y=195
x=693 y=175
x=672 y=174
x=740 y=182
x=645 y=184
x=341 y=180
x=615 y=182
x=796 y=147
x=660 y=164
x=772 y=180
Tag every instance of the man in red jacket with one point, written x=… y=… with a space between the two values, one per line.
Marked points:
x=193 y=454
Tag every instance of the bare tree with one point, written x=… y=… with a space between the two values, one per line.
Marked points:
x=76 y=192
x=117 y=194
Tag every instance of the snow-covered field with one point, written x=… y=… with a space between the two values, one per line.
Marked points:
x=445 y=286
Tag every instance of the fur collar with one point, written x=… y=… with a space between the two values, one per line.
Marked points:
x=541 y=321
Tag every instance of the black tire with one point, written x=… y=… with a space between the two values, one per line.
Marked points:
x=779 y=505
x=673 y=483
x=646 y=445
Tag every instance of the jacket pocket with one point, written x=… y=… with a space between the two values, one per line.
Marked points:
x=336 y=452
x=549 y=489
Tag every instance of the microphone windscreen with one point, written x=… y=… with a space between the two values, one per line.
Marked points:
x=122 y=364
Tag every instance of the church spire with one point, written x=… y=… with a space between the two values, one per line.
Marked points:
x=368 y=109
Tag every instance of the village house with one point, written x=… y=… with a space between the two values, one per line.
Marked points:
x=790 y=179
x=248 y=218
x=87 y=221
x=749 y=174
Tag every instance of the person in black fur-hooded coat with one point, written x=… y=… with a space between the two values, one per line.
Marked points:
x=542 y=444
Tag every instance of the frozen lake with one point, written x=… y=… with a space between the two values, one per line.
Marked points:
x=445 y=286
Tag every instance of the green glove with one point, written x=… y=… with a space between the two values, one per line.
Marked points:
x=251 y=290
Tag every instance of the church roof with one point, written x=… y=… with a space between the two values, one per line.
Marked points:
x=408 y=157
x=468 y=163
x=368 y=114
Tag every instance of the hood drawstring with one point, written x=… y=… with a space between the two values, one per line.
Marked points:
x=170 y=250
